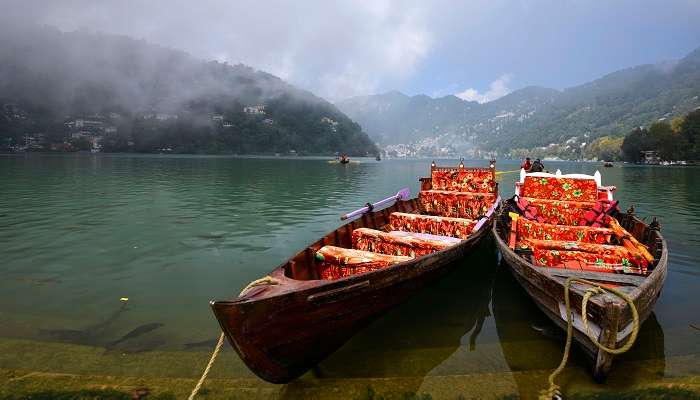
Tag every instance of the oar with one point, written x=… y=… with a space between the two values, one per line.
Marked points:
x=403 y=194
x=507 y=172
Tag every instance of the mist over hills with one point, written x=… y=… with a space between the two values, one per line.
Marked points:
x=535 y=116
x=144 y=97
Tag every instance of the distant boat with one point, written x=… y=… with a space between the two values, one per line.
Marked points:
x=608 y=164
x=378 y=158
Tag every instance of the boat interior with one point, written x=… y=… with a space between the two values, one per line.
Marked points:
x=571 y=222
x=453 y=203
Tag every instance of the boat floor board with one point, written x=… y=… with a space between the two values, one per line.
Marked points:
x=632 y=280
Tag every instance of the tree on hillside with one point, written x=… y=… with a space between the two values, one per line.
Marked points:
x=633 y=144
x=690 y=131
x=605 y=148
x=669 y=144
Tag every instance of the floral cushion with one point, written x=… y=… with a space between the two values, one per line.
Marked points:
x=560 y=188
x=456 y=204
x=464 y=180
x=338 y=262
x=382 y=242
x=434 y=225
x=536 y=230
x=559 y=212
x=571 y=259
x=589 y=256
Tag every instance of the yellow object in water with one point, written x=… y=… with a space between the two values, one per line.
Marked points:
x=507 y=172
x=124 y=299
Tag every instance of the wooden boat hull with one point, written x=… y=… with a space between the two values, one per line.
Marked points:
x=281 y=331
x=610 y=314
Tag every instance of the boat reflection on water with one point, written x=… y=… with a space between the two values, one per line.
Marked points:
x=410 y=341
x=532 y=345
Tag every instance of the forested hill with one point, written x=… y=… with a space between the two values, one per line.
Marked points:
x=535 y=116
x=134 y=96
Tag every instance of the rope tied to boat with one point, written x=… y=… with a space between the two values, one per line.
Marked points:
x=554 y=390
x=266 y=280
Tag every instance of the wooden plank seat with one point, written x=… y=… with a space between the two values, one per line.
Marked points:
x=584 y=256
x=397 y=244
x=339 y=262
x=456 y=204
x=435 y=225
x=537 y=230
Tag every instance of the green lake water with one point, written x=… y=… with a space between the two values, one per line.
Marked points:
x=80 y=231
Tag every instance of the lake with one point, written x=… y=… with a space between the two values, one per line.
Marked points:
x=78 y=232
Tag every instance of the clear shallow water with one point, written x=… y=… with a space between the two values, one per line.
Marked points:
x=80 y=231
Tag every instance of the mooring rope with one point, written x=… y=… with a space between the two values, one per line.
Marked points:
x=554 y=391
x=266 y=280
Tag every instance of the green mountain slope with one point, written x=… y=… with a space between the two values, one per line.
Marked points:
x=535 y=116
x=145 y=98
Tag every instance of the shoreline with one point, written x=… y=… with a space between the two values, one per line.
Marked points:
x=53 y=369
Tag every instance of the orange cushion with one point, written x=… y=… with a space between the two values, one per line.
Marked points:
x=386 y=243
x=434 y=225
x=456 y=204
x=463 y=179
x=527 y=229
x=590 y=256
x=558 y=212
x=568 y=189
x=339 y=262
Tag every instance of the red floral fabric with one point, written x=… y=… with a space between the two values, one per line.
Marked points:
x=456 y=204
x=559 y=212
x=434 y=225
x=478 y=180
x=337 y=262
x=572 y=259
x=536 y=230
x=590 y=256
x=385 y=243
x=567 y=189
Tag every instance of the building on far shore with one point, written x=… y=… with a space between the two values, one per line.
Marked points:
x=258 y=109
x=650 y=157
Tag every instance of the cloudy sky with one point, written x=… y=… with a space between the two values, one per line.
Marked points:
x=476 y=49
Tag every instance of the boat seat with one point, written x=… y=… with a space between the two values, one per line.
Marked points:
x=398 y=244
x=528 y=229
x=568 y=189
x=557 y=212
x=428 y=236
x=479 y=180
x=338 y=262
x=584 y=256
x=456 y=204
x=420 y=223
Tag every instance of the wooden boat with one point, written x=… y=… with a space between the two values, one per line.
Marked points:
x=530 y=342
x=608 y=164
x=303 y=312
x=609 y=317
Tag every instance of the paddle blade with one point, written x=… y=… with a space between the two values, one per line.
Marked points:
x=403 y=194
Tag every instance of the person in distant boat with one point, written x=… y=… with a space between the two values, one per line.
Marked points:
x=537 y=166
x=526 y=165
